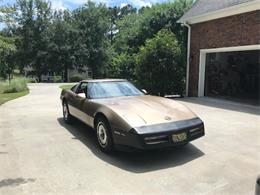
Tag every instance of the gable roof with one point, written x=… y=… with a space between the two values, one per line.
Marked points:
x=208 y=7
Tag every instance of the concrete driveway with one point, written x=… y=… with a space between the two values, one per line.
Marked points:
x=39 y=154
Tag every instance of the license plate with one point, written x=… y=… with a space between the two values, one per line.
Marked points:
x=179 y=137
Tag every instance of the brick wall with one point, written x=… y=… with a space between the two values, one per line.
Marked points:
x=237 y=30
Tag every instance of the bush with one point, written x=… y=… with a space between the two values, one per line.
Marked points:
x=16 y=85
x=159 y=66
x=57 y=79
x=122 y=66
x=76 y=78
x=32 y=80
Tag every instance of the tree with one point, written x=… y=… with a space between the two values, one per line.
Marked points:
x=7 y=44
x=6 y=14
x=158 y=64
x=136 y=28
x=60 y=50
x=106 y=40
x=24 y=29
x=116 y=14
x=41 y=39
x=7 y=52
x=33 y=19
x=91 y=23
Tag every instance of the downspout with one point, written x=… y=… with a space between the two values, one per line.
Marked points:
x=188 y=57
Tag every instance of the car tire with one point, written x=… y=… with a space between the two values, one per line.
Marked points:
x=104 y=135
x=67 y=117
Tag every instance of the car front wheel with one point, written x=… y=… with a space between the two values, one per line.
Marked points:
x=104 y=136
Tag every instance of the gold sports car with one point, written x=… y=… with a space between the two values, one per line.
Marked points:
x=126 y=117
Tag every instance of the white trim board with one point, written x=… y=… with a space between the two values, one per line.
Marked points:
x=202 y=63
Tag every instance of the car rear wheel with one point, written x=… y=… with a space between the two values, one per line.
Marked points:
x=104 y=136
x=66 y=113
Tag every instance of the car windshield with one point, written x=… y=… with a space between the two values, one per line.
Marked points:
x=97 y=90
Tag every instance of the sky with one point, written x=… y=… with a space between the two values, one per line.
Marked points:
x=72 y=4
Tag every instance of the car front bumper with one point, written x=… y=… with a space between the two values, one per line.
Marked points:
x=161 y=135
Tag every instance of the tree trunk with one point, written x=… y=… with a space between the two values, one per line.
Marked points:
x=66 y=74
x=9 y=78
x=39 y=77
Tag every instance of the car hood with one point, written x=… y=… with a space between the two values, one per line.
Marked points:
x=148 y=110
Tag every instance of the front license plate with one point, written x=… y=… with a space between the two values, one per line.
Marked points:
x=179 y=137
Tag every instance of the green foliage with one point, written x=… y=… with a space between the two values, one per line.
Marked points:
x=106 y=40
x=57 y=79
x=16 y=85
x=123 y=65
x=6 y=13
x=7 y=43
x=61 y=52
x=33 y=18
x=32 y=80
x=116 y=14
x=7 y=52
x=159 y=68
x=135 y=29
x=92 y=23
x=76 y=78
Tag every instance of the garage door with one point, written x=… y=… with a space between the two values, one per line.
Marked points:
x=233 y=75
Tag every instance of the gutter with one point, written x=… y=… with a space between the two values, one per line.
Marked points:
x=188 y=57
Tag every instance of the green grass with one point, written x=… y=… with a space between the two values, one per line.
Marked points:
x=68 y=86
x=16 y=85
x=9 y=91
x=4 y=97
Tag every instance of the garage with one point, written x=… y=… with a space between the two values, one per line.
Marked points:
x=233 y=75
x=223 y=50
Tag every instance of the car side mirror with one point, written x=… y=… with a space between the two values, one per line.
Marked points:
x=144 y=91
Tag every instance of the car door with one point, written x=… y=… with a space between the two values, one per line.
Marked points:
x=80 y=102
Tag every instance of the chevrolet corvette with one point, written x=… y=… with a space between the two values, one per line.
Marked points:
x=124 y=116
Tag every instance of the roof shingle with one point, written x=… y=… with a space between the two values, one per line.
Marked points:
x=206 y=6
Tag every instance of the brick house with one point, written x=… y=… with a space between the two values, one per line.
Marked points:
x=223 y=49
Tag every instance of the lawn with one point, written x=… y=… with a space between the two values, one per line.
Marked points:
x=9 y=91
x=4 y=97
x=67 y=86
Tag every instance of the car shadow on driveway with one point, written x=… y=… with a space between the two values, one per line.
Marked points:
x=137 y=162
x=223 y=104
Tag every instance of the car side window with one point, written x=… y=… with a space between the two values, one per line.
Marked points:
x=74 y=88
x=82 y=88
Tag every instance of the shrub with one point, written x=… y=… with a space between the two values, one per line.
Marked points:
x=16 y=85
x=57 y=79
x=122 y=66
x=159 y=68
x=32 y=80
x=76 y=78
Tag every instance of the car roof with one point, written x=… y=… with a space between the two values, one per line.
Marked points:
x=102 y=80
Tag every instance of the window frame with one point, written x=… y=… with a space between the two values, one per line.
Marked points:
x=79 y=87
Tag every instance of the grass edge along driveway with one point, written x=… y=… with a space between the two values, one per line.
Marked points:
x=66 y=86
x=5 y=97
